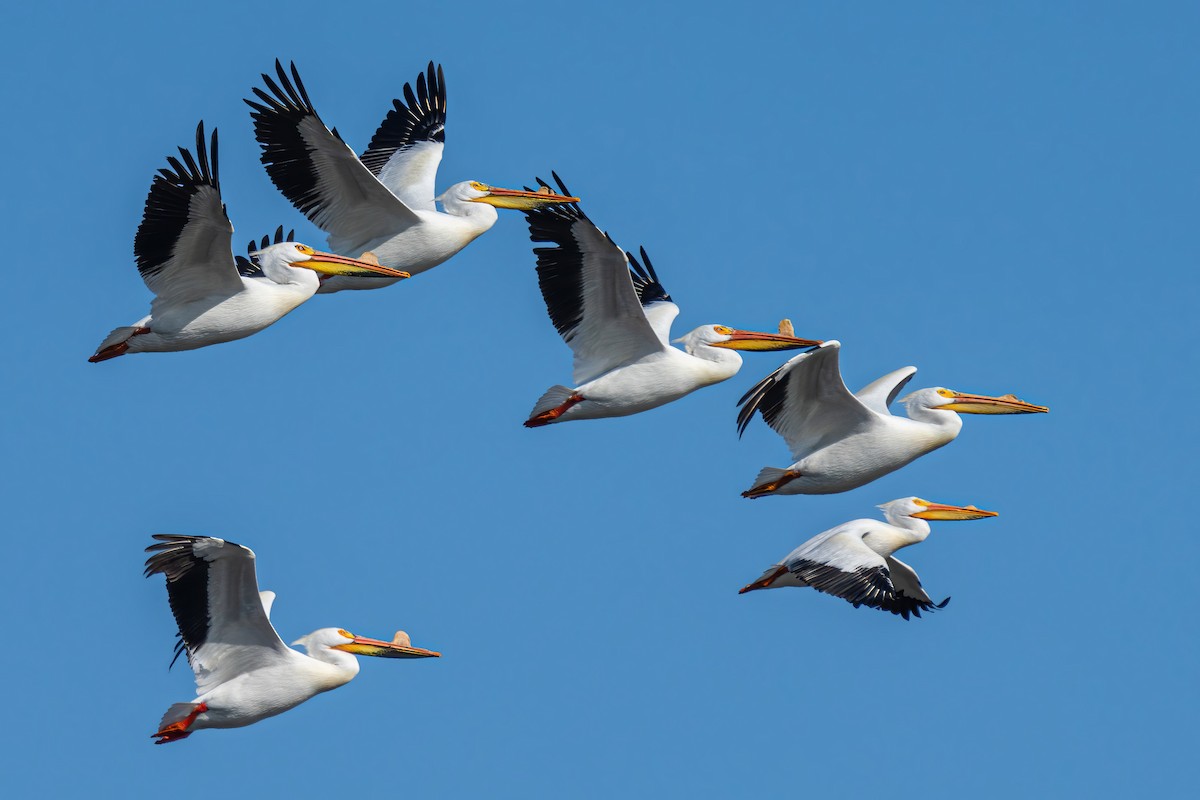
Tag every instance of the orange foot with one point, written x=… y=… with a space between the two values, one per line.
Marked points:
x=546 y=417
x=762 y=490
x=118 y=349
x=179 y=730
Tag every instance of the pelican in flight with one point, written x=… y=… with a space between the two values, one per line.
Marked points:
x=854 y=561
x=841 y=441
x=616 y=317
x=384 y=201
x=203 y=296
x=244 y=671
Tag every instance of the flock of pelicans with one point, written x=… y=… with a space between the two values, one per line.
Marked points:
x=383 y=225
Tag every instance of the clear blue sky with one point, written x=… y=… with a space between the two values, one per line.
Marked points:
x=1004 y=197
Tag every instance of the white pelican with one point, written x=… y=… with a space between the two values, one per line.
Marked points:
x=201 y=295
x=244 y=672
x=616 y=317
x=854 y=560
x=840 y=440
x=383 y=202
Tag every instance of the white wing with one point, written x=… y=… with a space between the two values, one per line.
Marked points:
x=657 y=305
x=806 y=402
x=184 y=245
x=589 y=292
x=407 y=148
x=322 y=177
x=882 y=392
x=839 y=562
x=214 y=596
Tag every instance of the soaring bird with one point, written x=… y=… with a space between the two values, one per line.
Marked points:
x=201 y=295
x=854 y=561
x=840 y=440
x=244 y=672
x=384 y=201
x=616 y=316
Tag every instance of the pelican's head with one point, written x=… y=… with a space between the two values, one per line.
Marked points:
x=519 y=199
x=277 y=257
x=923 y=509
x=735 y=339
x=943 y=399
x=319 y=642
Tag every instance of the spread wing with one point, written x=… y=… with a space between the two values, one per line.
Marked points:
x=656 y=303
x=882 y=392
x=183 y=246
x=247 y=265
x=406 y=150
x=222 y=617
x=806 y=402
x=589 y=291
x=322 y=177
x=840 y=563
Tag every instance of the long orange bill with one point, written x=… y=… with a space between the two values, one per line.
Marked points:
x=331 y=264
x=523 y=200
x=757 y=341
x=983 y=404
x=363 y=646
x=940 y=511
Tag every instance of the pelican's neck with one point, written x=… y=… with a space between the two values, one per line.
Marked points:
x=337 y=666
x=949 y=423
x=286 y=275
x=720 y=363
x=479 y=217
x=901 y=531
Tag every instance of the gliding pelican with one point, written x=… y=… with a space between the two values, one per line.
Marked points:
x=201 y=296
x=841 y=441
x=616 y=317
x=854 y=560
x=384 y=201
x=244 y=672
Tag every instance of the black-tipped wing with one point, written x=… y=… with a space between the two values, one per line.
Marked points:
x=806 y=402
x=406 y=150
x=247 y=265
x=213 y=591
x=589 y=291
x=660 y=310
x=839 y=563
x=184 y=245
x=314 y=169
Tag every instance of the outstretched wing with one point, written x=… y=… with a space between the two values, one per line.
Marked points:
x=319 y=173
x=882 y=392
x=839 y=563
x=184 y=245
x=656 y=303
x=222 y=618
x=806 y=402
x=247 y=265
x=589 y=291
x=406 y=150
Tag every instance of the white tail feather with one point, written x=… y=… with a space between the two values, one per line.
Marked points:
x=769 y=475
x=117 y=336
x=177 y=713
x=554 y=397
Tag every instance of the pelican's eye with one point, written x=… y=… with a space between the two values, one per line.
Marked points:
x=920 y=502
x=346 y=633
x=945 y=393
x=721 y=329
x=480 y=187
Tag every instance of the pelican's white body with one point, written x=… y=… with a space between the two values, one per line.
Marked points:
x=260 y=303
x=433 y=239
x=849 y=546
x=886 y=446
x=655 y=380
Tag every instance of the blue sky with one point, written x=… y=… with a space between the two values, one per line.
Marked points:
x=1005 y=197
